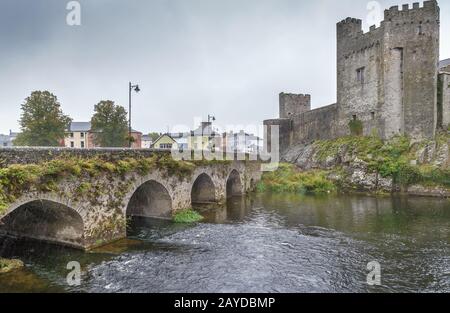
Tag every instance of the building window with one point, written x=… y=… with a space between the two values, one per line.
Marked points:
x=360 y=73
x=82 y=144
x=71 y=135
x=5 y=144
x=165 y=146
x=82 y=135
x=372 y=115
x=354 y=117
x=72 y=144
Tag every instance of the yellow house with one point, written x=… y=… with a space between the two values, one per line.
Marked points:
x=77 y=136
x=165 y=142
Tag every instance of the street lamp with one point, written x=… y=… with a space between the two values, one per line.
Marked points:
x=131 y=87
x=211 y=118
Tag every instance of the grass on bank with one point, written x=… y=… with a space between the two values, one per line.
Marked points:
x=290 y=179
x=393 y=158
x=187 y=216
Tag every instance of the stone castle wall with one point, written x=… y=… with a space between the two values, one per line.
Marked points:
x=399 y=59
x=317 y=124
x=387 y=78
x=444 y=100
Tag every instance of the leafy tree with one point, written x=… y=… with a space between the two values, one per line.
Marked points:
x=110 y=125
x=154 y=136
x=42 y=121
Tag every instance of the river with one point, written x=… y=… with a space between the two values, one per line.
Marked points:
x=261 y=243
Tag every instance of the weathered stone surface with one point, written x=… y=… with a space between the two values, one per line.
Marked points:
x=96 y=214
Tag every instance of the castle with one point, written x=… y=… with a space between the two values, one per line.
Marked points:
x=389 y=82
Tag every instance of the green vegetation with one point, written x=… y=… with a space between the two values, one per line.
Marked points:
x=18 y=179
x=110 y=125
x=154 y=136
x=356 y=127
x=187 y=216
x=42 y=121
x=394 y=158
x=289 y=179
x=7 y=266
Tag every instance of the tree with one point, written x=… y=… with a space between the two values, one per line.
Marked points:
x=110 y=125
x=154 y=136
x=42 y=121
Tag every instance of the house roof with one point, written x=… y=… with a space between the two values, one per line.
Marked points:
x=164 y=135
x=86 y=127
x=80 y=127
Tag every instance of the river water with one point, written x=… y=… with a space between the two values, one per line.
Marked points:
x=261 y=243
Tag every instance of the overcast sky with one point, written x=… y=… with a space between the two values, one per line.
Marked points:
x=230 y=58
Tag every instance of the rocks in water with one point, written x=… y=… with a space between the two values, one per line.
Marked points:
x=7 y=266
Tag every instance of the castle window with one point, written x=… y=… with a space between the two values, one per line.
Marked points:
x=419 y=30
x=372 y=115
x=360 y=74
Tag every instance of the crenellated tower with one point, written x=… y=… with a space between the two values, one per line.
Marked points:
x=387 y=77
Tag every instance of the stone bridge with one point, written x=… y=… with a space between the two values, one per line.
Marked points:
x=85 y=211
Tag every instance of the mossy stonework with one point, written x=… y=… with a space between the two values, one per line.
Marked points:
x=375 y=165
x=92 y=193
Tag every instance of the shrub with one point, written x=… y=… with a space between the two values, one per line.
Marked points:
x=356 y=127
x=289 y=179
x=187 y=216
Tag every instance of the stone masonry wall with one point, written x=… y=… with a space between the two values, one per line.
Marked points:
x=292 y=104
x=319 y=124
x=445 y=99
x=397 y=94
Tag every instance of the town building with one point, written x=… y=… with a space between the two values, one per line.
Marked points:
x=241 y=142
x=165 y=142
x=79 y=135
x=7 y=141
x=147 y=142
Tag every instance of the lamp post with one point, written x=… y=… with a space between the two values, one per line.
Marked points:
x=131 y=87
x=211 y=118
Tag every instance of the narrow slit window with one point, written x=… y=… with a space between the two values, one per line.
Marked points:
x=360 y=73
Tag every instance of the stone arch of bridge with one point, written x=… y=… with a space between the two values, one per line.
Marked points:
x=203 y=190
x=45 y=220
x=150 y=199
x=234 y=186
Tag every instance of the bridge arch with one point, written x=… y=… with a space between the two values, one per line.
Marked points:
x=234 y=184
x=45 y=220
x=203 y=190
x=151 y=199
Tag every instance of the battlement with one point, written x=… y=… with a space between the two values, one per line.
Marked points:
x=407 y=12
x=350 y=20
x=415 y=14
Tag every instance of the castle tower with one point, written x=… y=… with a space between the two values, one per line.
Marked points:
x=387 y=77
x=293 y=105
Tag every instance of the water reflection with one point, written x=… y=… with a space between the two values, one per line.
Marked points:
x=264 y=243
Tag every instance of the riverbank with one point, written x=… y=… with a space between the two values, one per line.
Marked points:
x=366 y=164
